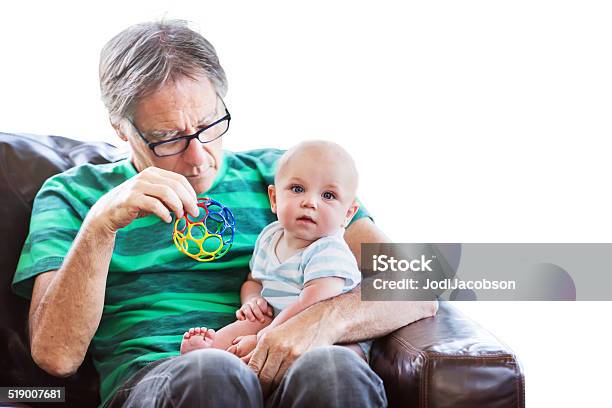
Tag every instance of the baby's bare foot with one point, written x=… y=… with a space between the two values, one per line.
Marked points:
x=197 y=338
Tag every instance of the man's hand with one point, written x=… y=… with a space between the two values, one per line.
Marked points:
x=280 y=347
x=152 y=191
x=342 y=319
x=254 y=309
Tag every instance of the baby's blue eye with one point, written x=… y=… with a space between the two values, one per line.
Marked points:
x=297 y=189
x=328 y=195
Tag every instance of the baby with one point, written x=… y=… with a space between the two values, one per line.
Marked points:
x=302 y=258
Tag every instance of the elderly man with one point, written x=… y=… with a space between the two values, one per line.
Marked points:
x=104 y=275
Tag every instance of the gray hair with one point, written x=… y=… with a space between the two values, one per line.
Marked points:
x=142 y=58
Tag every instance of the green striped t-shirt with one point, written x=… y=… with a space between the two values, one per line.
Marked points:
x=153 y=292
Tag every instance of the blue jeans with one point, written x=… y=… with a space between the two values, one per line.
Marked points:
x=330 y=376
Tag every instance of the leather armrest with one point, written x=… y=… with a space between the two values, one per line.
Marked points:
x=447 y=361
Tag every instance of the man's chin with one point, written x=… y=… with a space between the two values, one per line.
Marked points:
x=200 y=184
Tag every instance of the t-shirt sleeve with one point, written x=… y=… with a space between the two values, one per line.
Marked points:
x=256 y=264
x=331 y=257
x=54 y=224
x=361 y=213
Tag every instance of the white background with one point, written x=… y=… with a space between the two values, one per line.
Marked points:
x=472 y=121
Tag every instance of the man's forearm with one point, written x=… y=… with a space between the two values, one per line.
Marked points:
x=348 y=319
x=68 y=313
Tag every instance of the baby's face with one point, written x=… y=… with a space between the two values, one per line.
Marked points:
x=314 y=196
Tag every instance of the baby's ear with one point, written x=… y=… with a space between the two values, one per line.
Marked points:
x=272 y=197
x=350 y=213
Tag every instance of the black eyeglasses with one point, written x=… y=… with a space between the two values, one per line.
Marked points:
x=176 y=145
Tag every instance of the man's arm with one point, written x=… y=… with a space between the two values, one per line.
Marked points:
x=381 y=318
x=67 y=304
x=343 y=319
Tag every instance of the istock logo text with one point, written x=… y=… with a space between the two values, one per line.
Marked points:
x=383 y=263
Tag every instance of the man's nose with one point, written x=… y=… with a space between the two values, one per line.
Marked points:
x=195 y=152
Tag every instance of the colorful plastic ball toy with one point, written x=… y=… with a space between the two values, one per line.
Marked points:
x=207 y=237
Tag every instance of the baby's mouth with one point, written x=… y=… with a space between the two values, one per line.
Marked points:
x=306 y=219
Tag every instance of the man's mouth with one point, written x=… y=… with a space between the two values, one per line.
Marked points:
x=306 y=219
x=200 y=173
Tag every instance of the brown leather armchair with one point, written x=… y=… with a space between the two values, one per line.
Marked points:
x=444 y=361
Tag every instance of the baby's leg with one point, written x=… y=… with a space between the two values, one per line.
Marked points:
x=226 y=335
x=200 y=337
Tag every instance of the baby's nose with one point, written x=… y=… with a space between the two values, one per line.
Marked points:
x=309 y=202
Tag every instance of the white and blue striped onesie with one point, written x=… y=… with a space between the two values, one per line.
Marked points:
x=283 y=282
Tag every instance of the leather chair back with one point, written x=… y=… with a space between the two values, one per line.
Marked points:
x=26 y=161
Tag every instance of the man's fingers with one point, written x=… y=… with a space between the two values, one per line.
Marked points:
x=268 y=372
x=281 y=372
x=154 y=206
x=156 y=172
x=185 y=183
x=237 y=339
x=178 y=184
x=258 y=358
x=239 y=315
x=188 y=197
x=166 y=195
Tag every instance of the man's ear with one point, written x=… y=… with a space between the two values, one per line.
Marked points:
x=272 y=197
x=350 y=213
x=118 y=129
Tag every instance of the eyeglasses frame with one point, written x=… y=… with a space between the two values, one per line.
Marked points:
x=187 y=138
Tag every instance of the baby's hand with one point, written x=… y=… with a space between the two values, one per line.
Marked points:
x=254 y=309
x=243 y=345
